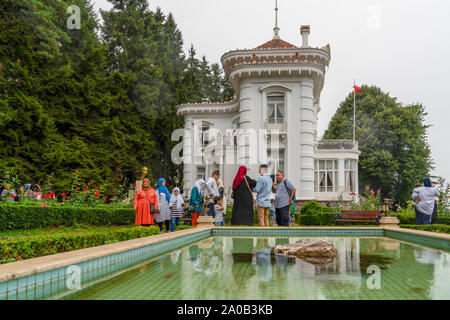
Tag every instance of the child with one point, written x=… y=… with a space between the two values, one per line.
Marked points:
x=218 y=211
x=176 y=208
x=272 y=210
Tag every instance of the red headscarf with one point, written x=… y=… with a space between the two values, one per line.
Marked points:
x=239 y=176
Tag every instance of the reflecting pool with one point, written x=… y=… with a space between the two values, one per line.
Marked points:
x=245 y=268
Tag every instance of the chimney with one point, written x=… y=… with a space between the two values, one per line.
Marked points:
x=304 y=30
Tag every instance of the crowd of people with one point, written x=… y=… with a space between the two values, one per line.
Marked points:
x=425 y=199
x=207 y=197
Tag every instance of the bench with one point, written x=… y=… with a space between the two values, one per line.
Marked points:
x=360 y=216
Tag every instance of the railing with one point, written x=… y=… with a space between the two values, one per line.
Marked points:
x=231 y=140
x=269 y=124
x=337 y=145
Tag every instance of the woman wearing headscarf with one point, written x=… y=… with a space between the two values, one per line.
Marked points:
x=242 y=213
x=142 y=201
x=163 y=217
x=176 y=206
x=196 y=200
x=424 y=199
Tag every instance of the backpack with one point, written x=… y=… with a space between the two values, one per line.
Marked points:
x=289 y=192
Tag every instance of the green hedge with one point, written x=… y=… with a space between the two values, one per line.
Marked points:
x=31 y=247
x=314 y=214
x=183 y=227
x=442 y=228
x=410 y=218
x=314 y=207
x=319 y=219
x=30 y=217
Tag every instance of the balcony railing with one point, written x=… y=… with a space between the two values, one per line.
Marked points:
x=269 y=124
x=337 y=145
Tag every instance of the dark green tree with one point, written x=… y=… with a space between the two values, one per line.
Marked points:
x=30 y=51
x=392 y=139
x=72 y=103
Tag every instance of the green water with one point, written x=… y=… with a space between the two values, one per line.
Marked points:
x=245 y=268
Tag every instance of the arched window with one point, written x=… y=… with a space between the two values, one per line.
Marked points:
x=276 y=108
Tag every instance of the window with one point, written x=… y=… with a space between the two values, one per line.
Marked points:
x=205 y=136
x=350 y=175
x=275 y=109
x=201 y=173
x=325 y=175
x=275 y=162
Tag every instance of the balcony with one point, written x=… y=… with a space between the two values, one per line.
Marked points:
x=337 y=145
x=271 y=124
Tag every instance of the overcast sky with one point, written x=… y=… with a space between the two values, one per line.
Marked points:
x=401 y=46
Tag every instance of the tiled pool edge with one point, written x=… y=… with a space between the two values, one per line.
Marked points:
x=297 y=231
x=430 y=239
x=425 y=238
x=49 y=276
x=43 y=277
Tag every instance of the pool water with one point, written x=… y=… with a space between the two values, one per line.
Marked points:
x=225 y=268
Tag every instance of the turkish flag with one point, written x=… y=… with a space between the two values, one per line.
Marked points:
x=357 y=89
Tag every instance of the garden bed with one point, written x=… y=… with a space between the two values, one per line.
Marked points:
x=21 y=248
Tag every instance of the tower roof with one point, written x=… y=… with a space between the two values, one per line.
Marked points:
x=276 y=44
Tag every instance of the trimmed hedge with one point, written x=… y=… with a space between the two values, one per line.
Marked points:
x=314 y=214
x=31 y=247
x=29 y=217
x=314 y=207
x=442 y=228
x=319 y=219
x=410 y=218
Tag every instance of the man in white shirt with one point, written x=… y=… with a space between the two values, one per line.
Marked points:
x=212 y=191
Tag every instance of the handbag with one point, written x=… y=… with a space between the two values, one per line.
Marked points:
x=152 y=205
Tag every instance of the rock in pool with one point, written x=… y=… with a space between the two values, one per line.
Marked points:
x=314 y=251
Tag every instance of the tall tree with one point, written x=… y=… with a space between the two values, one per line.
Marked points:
x=103 y=108
x=30 y=52
x=392 y=139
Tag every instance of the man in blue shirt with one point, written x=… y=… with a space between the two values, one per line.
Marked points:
x=284 y=195
x=263 y=189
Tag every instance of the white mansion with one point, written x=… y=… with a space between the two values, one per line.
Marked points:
x=272 y=120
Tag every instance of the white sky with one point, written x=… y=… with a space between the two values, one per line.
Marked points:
x=401 y=46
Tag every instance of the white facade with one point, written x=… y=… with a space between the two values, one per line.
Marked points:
x=275 y=111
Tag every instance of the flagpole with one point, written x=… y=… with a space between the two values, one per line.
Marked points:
x=354 y=111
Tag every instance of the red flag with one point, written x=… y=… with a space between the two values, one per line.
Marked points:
x=357 y=89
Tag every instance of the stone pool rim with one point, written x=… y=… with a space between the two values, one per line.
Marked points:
x=20 y=269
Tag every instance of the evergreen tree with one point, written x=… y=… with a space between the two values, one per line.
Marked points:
x=74 y=104
x=30 y=52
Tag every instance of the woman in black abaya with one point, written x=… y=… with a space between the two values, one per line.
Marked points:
x=242 y=213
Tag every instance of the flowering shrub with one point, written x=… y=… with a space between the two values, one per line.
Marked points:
x=444 y=196
x=371 y=200
x=84 y=196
